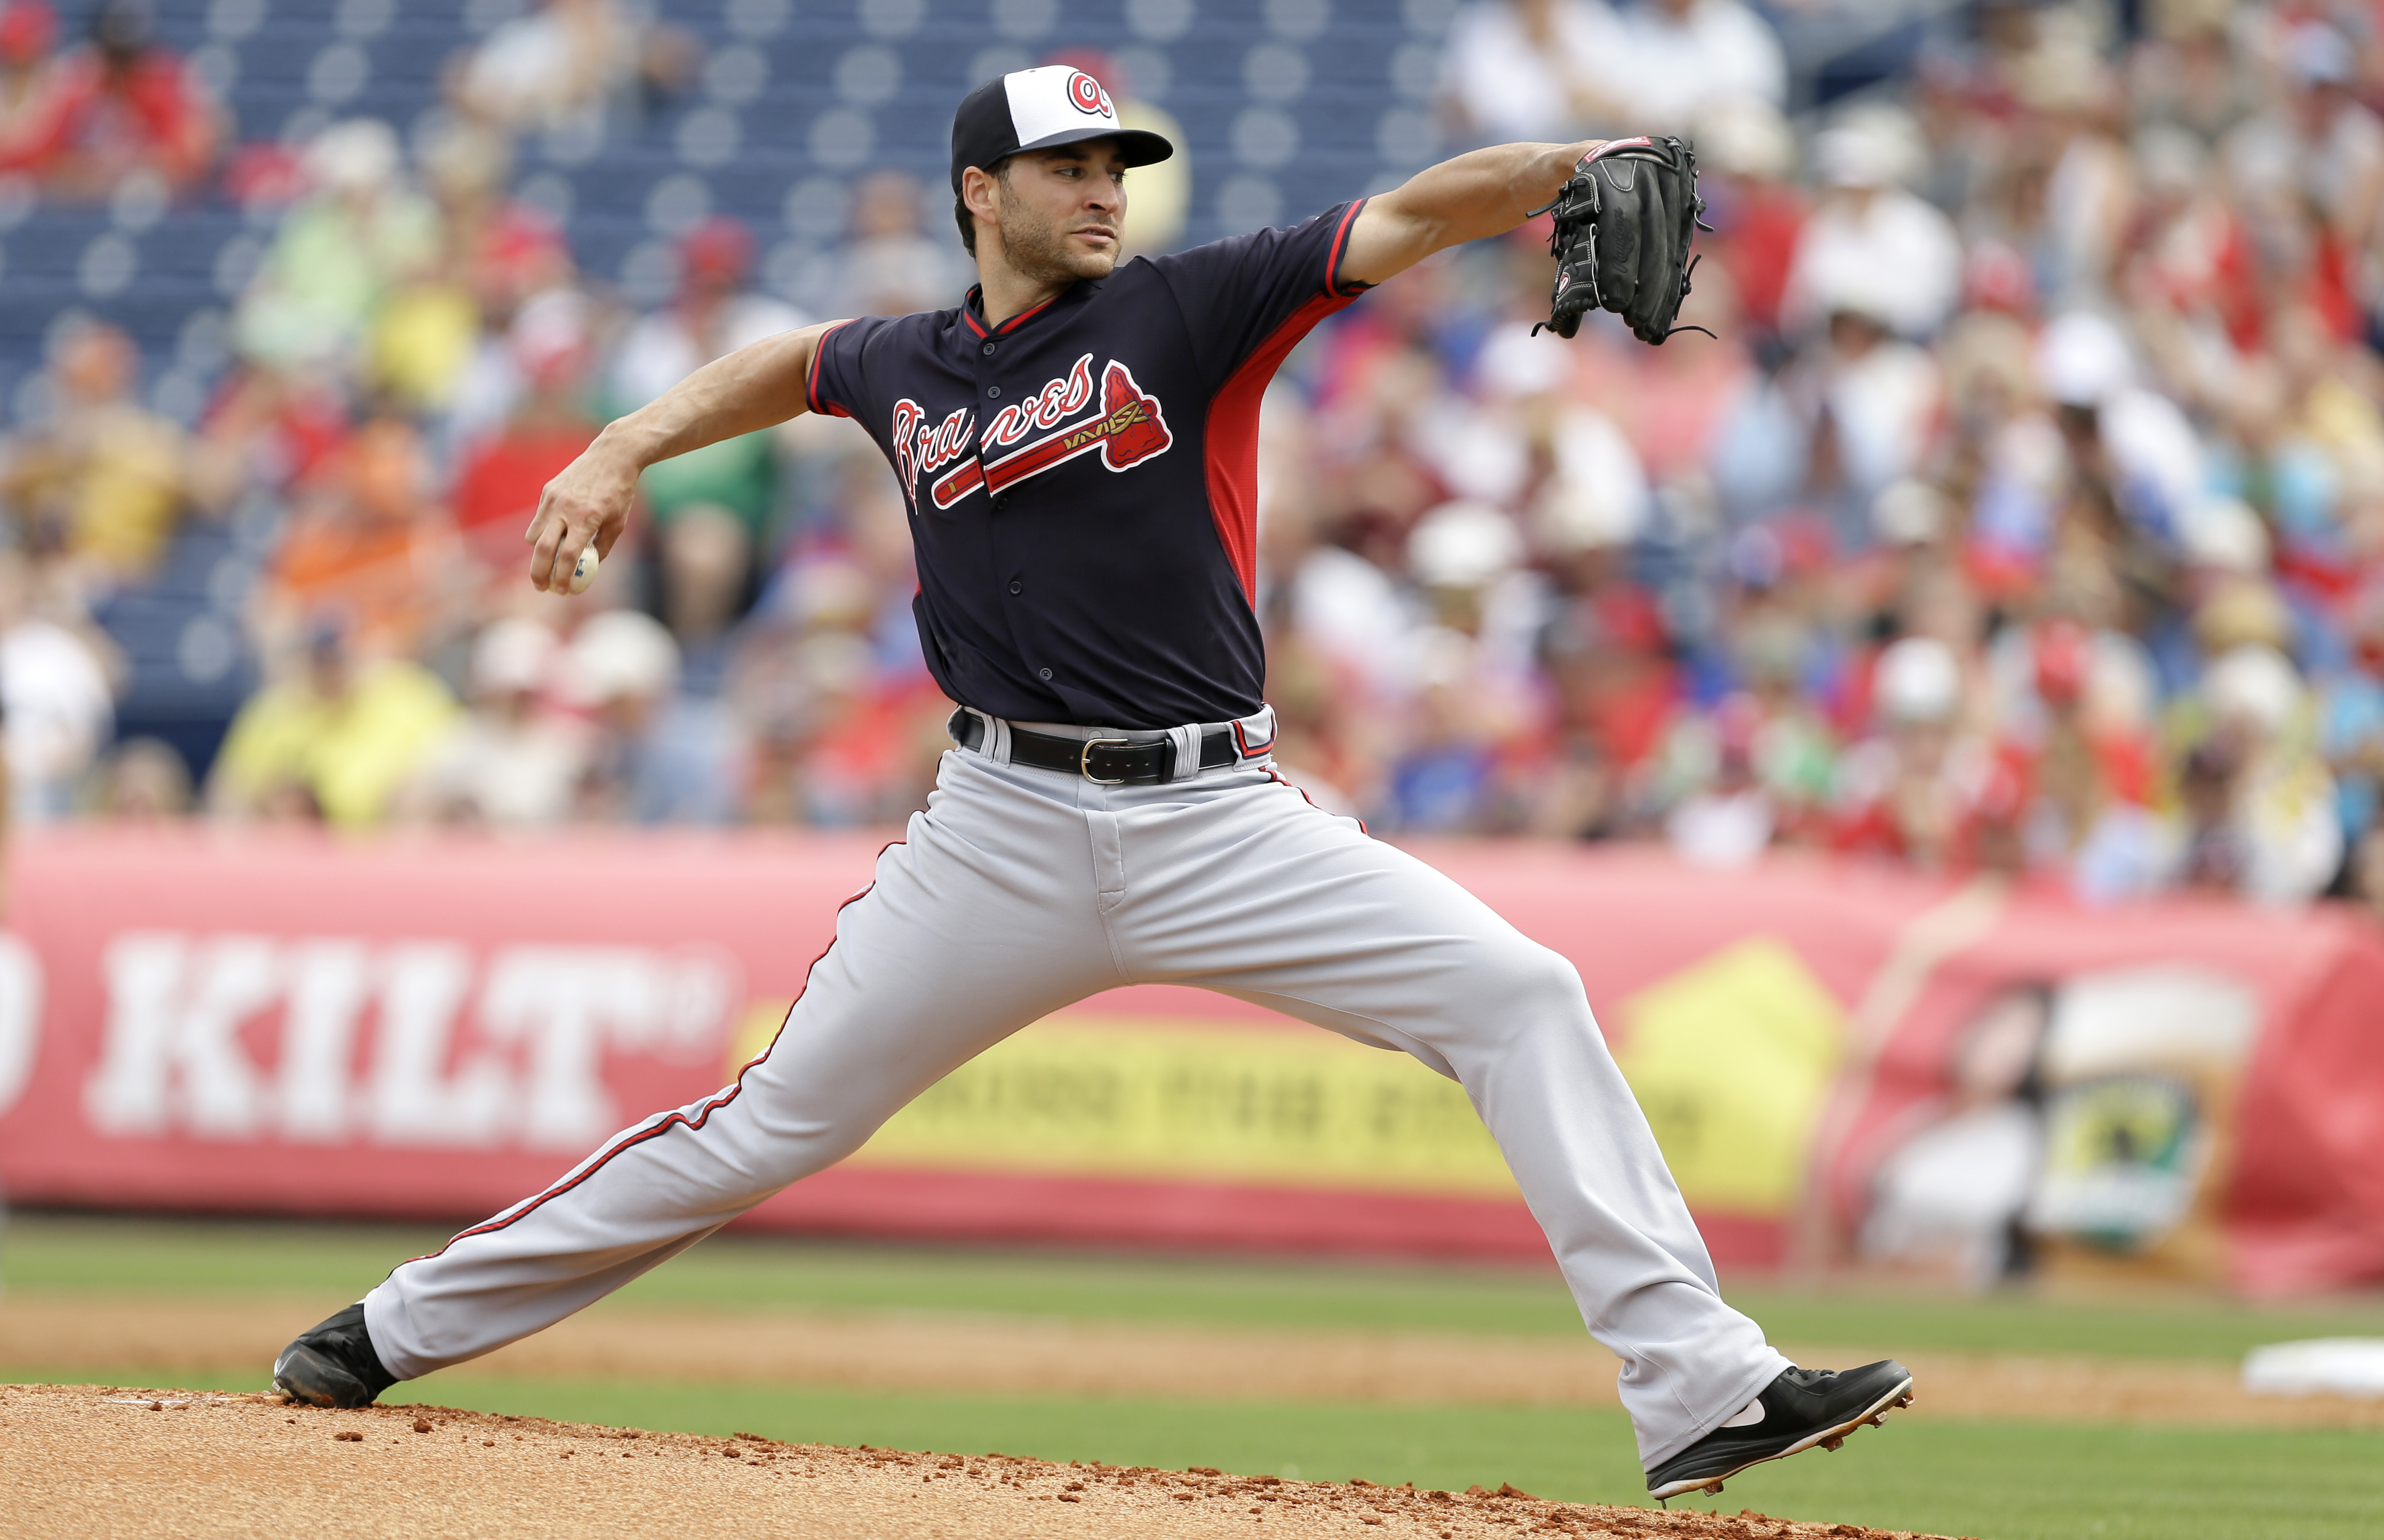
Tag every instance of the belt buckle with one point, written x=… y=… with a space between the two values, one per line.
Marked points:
x=1085 y=760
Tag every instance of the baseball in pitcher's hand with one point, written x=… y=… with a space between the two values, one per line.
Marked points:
x=589 y=498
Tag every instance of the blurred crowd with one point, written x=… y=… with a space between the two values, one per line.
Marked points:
x=2025 y=512
x=415 y=356
x=2025 y=515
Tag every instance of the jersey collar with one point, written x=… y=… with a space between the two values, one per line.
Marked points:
x=972 y=308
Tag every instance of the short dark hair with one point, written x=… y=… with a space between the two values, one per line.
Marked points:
x=967 y=221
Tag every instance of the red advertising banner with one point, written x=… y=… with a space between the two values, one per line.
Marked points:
x=1839 y=1061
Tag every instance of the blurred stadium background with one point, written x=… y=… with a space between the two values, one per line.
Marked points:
x=1942 y=717
x=2044 y=356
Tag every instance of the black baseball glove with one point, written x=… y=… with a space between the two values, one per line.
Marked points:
x=1623 y=225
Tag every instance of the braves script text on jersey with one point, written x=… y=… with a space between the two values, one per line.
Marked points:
x=1081 y=489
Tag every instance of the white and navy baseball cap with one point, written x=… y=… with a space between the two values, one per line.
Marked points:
x=1042 y=109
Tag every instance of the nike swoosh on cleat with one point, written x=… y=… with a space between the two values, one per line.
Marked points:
x=1832 y=1437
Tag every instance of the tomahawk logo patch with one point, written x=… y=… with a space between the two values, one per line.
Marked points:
x=1126 y=427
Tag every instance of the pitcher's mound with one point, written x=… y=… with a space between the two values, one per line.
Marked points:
x=84 y=1461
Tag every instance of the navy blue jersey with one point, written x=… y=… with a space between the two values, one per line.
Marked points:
x=1083 y=477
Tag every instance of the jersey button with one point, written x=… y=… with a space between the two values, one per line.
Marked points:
x=1001 y=501
x=988 y=349
x=1018 y=588
x=992 y=392
x=1043 y=674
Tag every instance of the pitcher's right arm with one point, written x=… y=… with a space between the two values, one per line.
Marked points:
x=754 y=388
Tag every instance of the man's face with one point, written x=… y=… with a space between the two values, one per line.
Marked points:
x=97 y=364
x=1853 y=334
x=2318 y=104
x=327 y=666
x=1062 y=212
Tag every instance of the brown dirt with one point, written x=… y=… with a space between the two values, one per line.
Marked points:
x=84 y=1461
x=921 y=1351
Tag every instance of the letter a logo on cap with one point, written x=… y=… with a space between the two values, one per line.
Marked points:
x=1050 y=104
x=1088 y=96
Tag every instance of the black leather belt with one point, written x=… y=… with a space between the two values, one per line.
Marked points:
x=1105 y=762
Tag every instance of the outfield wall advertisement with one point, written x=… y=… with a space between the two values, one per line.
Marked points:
x=1956 y=1081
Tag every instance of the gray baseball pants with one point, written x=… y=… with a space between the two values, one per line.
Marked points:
x=1021 y=891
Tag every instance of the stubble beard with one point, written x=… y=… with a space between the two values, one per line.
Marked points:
x=1035 y=249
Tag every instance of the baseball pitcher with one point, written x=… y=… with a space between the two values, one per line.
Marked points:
x=1077 y=440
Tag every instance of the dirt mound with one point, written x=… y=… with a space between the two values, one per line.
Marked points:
x=94 y=1460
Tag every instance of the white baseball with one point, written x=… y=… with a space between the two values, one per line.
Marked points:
x=583 y=571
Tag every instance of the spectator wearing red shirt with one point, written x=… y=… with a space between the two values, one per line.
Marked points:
x=1919 y=791
x=2082 y=764
x=497 y=491
x=1747 y=155
x=120 y=106
x=29 y=36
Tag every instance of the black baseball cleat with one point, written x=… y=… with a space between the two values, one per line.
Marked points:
x=334 y=1364
x=1802 y=1408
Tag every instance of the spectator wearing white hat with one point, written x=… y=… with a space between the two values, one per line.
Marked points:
x=1531 y=70
x=1351 y=613
x=1914 y=790
x=1911 y=513
x=2260 y=808
x=1682 y=58
x=1871 y=236
x=1870 y=401
x=1460 y=548
x=658 y=756
x=1726 y=817
x=2222 y=536
x=2133 y=443
x=1475 y=680
x=514 y=762
x=1531 y=444
x=1594 y=496
x=362 y=231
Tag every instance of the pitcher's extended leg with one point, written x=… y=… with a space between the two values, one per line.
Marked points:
x=924 y=973
x=1269 y=899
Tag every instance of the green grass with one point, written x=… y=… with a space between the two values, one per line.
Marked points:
x=59 y=1254
x=1996 y=1481
x=74 y=1253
